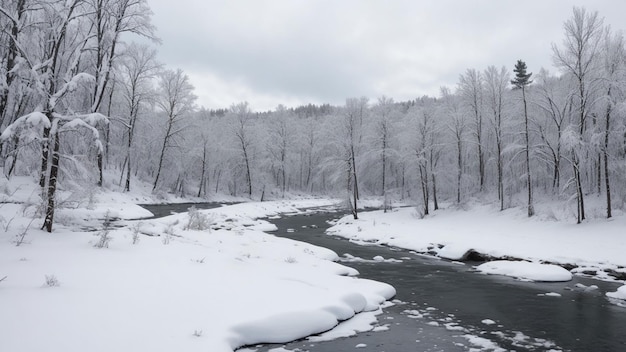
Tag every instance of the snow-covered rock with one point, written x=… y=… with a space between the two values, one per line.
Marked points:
x=620 y=293
x=526 y=270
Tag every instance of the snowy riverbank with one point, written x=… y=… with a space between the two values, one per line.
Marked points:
x=595 y=247
x=161 y=285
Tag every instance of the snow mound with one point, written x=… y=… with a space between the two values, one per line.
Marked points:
x=619 y=294
x=526 y=270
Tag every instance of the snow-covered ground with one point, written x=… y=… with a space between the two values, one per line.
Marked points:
x=593 y=246
x=209 y=280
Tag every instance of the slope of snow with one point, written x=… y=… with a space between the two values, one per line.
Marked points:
x=174 y=288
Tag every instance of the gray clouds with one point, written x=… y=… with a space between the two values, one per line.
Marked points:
x=295 y=52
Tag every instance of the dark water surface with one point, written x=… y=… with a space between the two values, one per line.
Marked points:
x=438 y=302
x=161 y=210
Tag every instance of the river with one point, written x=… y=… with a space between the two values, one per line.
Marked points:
x=447 y=306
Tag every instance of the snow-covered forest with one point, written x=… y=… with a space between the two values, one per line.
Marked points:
x=82 y=95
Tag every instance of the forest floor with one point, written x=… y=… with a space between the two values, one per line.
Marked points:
x=215 y=279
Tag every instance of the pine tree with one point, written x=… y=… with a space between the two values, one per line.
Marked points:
x=521 y=80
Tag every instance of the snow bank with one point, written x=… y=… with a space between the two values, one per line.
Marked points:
x=213 y=289
x=526 y=270
x=619 y=294
x=454 y=233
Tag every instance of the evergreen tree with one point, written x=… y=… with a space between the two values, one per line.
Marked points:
x=521 y=80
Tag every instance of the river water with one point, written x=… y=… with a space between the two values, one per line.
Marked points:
x=453 y=301
x=445 y=306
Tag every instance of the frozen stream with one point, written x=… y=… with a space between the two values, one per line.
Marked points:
x=444 y=306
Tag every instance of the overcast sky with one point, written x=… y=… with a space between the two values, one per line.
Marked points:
x=294 y=52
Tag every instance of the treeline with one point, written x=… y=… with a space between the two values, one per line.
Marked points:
x=78 y=103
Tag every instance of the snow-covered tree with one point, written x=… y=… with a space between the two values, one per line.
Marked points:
x=176 y=100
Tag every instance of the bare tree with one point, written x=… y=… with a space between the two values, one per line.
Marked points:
x=579 y=57
x=280 y=143
x=424 y=149
x=613 y=67
x=352 y=122
x=109 y=20
x=383 y=131
x=241 y=124
x=496 y=82
x=8 y=64
x=176 y=99
x=138 y=68
x=457 y=126
x=471 y=91
x=556 y=103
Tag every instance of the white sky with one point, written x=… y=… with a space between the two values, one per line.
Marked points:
x=294 y=52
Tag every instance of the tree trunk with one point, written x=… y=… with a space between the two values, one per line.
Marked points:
x=158 y=174
x=248 y=176
x=15 y=153
x=384 y=161
x=128 y=171
x=580 y=214
x=52 y=184
x=606 y=156
x=432 y=175
x=45 y=153
x=425 y=188
x=203 y=171
x=460 y=169
x=500 y=174
x=354 y=194
x=167 y=136
x=100 y=171
x=531 y=209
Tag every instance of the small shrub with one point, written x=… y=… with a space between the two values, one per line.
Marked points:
x=6 y=224
x=103 y=236
x=20 y=237
x=291 y=260
x=52 y=281
x=135 y=232
x=91 y=199
x=169 y=232
x=419 y=212
x=103 y=240
x=198 y=220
